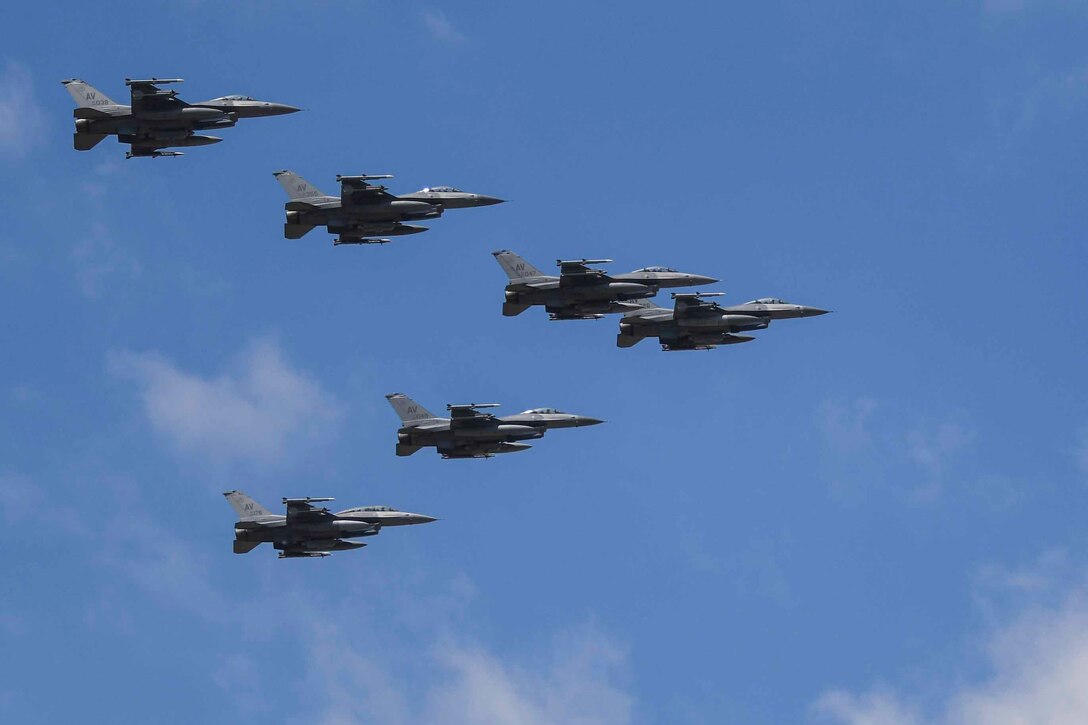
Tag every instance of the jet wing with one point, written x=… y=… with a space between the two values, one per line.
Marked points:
x=690 y=306
x=301 y=510
x=147 y=97
x=355 y=191
x=469 y=416
x=577 y=273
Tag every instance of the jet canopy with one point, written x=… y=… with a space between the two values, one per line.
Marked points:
x=655 y=269
x=438 y=189
x=234 y=98
x=360 y=509
x=542 y=411
x=767 y=301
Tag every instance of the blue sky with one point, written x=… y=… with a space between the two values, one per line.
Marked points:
x=869 y=518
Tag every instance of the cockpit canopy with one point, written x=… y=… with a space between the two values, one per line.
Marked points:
x=542 y=411
x=655 y=269
x=439 y=189
x=767 y=301
x=361 y=509
x=234 y=98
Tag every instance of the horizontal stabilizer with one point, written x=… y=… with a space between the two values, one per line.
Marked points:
x=244 y=547
x=87 y=141
x=510 y=309
x=628 y=340
x=403 y=449
x=89 y=113
x=296 y=231
x=296 y=205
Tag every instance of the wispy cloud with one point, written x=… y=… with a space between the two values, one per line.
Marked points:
x=22 y=121
x=1038 y=665
x=871 y=441
x=577 y=682
x=258 y=410
x=440 y=27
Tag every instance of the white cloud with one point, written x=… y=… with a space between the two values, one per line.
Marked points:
x=440 y=27
x=1038 y=667
x=576 y=684
x=21 y=119
x=870 y=442
x=258 y=411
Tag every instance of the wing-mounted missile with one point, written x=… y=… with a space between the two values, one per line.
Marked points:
x=152 y=81
x=152 y=154
x=469 y=413
x=147 y=90
x=470 y=406
x=569 y=267
x=306 y=500
x=580 y=262
x=357 y=189
x=359 y=240
x=360 y=181
x=696 y=295
x=691 y=303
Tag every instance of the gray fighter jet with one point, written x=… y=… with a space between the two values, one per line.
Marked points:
x=365 y=213
x=468 y=433
x=307 y=530
x=581 y=293
x=695 y=323
x=157 y=118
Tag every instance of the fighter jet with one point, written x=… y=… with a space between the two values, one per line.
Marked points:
x=581 y=293
x=697 y=324
x=365 y=213
x=310 y=531
x=157 y=118
x=468 y=433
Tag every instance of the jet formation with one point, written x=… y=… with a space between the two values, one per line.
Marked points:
x=696 y=323
x=156 y=119
x=582 y=293
x=470 y=433
x=366 y=213
x=309 y=531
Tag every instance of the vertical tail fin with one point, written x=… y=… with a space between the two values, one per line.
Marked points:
x=408 y=409
x=87 y=96
x=296 y=186
x=244 y=506
x=515 y=267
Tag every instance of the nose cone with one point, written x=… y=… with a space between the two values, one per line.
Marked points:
x=812 y=311
x=420 y=519
x=700 y=279
x=583 y=420
x=278 y=109
x=484 y=200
